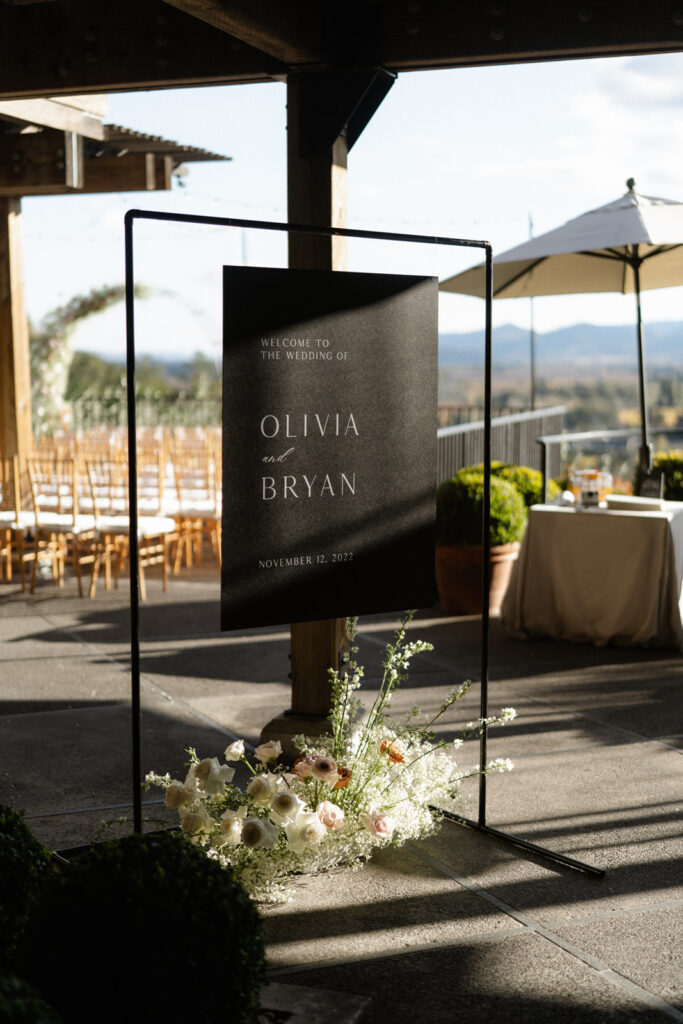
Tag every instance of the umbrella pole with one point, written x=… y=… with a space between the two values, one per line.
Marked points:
x=645 y=447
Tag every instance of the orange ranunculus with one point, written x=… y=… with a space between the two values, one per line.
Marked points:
x=344 y=777
x=392 y=750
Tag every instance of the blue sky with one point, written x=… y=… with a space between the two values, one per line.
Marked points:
x=468 y=153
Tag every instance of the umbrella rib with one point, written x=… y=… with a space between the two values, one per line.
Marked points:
x=660 y=249
x=522 y=273
x=608 y=254
x=614 y=254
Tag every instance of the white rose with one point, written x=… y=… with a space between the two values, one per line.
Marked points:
x=380 y=825
x=331 y=816
x=268 y=751
x=235 y=751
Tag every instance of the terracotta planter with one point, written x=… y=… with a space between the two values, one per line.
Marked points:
x=458 y=577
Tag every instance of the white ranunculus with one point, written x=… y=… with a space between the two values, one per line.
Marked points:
x=305 y=831
x=235 y=751
x=231 y=827
x=285 y=806
x=262 y=788
x=194 y=823
x=178 y=795
x=257 y=832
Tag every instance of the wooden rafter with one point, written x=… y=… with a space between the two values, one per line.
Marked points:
x=52 y=114
x=291 y=32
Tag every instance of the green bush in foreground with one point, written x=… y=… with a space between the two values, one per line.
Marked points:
x=25 y=868
x=146 y=928
x=21 y=1004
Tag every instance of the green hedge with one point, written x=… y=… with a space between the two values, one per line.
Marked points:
x=528 y=481
x=459 y=504
x=26 y=867
x=146 y=928
x=670 y=464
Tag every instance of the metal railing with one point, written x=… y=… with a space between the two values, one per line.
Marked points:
x=550 y=445
x=513 y=439
x=453 y=414
x=110 y=410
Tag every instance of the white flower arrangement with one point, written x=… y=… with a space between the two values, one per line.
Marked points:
x=370 y=782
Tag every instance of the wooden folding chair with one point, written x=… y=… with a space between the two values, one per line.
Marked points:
x=156 y=534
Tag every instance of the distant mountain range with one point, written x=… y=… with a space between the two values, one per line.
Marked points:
x=578 y=345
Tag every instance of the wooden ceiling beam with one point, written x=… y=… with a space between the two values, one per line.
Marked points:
x=86 y=47
x=440 y=35
x=292 y=32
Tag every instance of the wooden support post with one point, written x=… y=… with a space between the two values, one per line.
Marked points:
x=16 y=435
x=316 y=195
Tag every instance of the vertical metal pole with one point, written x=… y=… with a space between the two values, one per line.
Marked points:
x=645 y=448
x=486 y=535
x=532 y=337
x=133 y=527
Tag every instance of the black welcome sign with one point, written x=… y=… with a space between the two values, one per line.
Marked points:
x=329 y=444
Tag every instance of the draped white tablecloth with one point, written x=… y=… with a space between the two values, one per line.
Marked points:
x=599 y=575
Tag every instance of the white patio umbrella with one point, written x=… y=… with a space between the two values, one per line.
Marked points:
x=630 y=245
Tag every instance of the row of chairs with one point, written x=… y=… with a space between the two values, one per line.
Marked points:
x=73 y=511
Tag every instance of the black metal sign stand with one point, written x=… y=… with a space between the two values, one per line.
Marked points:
x=233 y=222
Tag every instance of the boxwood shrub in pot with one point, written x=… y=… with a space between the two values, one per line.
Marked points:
x=528 y=481
x=459 y=509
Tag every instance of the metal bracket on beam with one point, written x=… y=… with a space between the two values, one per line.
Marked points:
x=335 y=103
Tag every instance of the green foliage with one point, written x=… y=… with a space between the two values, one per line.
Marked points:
x=146 y=928
x=187 y=393
x=459 y=504
x=20 y=1003
x=204 y=378
x=670 y=464
x=51 y=355
x=528 y=481
x=89 y=373
x=25 y=868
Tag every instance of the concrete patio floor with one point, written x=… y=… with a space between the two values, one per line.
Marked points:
x=461 y=927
